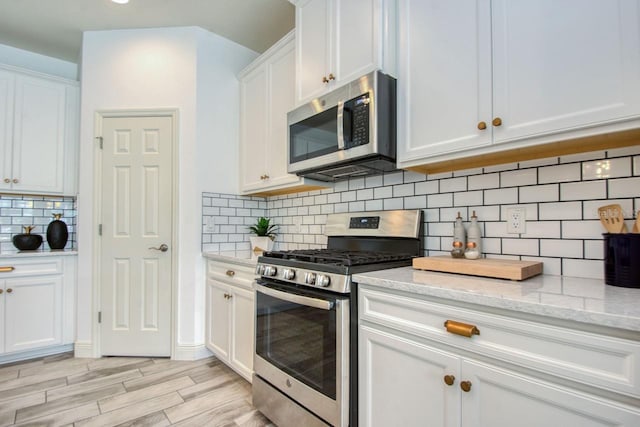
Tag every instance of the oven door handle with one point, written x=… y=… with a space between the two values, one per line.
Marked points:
x=296 y=299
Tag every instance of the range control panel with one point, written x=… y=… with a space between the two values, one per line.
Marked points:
x=368 y=222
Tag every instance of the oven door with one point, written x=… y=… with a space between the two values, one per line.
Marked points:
x=302 y=347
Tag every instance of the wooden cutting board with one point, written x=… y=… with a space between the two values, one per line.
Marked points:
x=488 y=267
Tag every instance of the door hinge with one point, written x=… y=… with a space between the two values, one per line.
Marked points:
x=99 y=317
x=99 y=229
x=99 y=138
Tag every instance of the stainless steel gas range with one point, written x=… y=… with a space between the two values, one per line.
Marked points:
x=306 y=316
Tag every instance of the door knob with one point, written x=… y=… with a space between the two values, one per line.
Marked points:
x=163 y=248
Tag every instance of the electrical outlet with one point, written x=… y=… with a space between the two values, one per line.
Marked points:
x=516 y=220
x=210 y=225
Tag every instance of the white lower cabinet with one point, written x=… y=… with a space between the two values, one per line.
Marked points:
x=412 y=372
x=36 y=303
x=230 y=310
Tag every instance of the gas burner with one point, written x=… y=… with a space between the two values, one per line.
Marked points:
x=338 y=257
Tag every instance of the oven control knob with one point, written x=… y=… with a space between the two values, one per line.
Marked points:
x=260 y=269
x=288 y=274
x=323 y=280
x=270 y=270
x=310 y=278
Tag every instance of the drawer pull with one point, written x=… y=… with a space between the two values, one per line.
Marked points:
x=6 y=269
x=449 y=379
x=460 y=328
x=9 y=290
x=230 y=273
x=465 y=386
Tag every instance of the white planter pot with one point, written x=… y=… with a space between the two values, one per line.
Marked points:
x=260 y=244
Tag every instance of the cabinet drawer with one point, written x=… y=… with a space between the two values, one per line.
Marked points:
x=21 y=267
x=608 y=362
x=241 y=275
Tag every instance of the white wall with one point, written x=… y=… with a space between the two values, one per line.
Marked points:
x=163 y=68
x=36 y=62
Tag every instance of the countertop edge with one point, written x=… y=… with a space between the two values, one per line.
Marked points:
x=38 y=253
x=623 y=310
x=248 y=262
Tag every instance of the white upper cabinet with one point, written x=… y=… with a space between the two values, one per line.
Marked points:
x=339 y=40
x=266 y=96
x=474 y=75
x=39 y=131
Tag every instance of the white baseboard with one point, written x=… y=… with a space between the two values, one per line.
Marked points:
x=84 y=349
x=33 y=354
x=191 y=352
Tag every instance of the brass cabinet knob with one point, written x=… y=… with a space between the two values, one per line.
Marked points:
x=15 y=180
x=465 y=386
x=449 y=379
x=482 y=125
x=230 y=273
x=331 y=76
x=325 y=79
x=9 y=290
x=497 y=121
x=7 y=180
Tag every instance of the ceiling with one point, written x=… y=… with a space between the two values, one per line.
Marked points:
x=54 y=27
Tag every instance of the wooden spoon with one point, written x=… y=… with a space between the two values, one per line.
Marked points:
x=636 y=225
x=612 y=219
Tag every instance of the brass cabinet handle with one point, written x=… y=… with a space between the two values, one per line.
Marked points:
x=449 y=379
x=331 y=76
x=325 y=79
x=497 y=121
x=15 y=180
x=230 y=273
x=482 y=125
x=465 y=386
x=9 y=290
x=7 y=180
x=460 y=328
x=6 y=269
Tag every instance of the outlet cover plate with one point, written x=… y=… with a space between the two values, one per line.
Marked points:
x=516 y=221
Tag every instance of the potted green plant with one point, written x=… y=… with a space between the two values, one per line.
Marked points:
x=265 y=234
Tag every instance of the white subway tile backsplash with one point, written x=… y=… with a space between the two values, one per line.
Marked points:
x=453 y=184
x=364 y=194
x=520 y=247
x=542 y=229
x=393 y=178
x=624 y=151
x=356 y=206
x=356 y=183
x=415 y=202
x=539 y=193
x=439 y=200
x=373 y=205
x=373 y=181
x=559 y=173
x=391 y=204
x=500 y=168
x=440 y=229
x=552 y=266
x=624 y=187
x=481 y=182
x=486 y=213
x=410 y=176
x=467 y=172
x=538 y=162
x=560 y=210
x=588 y=229
x=501 y=196
x=403 y=190
x=517 y=178
x=491 y=245
x=581 y=157
x=606 y=168
x=427 y=187
x=636 y=165
x=383 y=192
x=561 y=248
x=593 y=249
x=467 y=198
x=442 y=175
x=348 y=196
x=590 y=210
x=590 y=269
x=496 y=229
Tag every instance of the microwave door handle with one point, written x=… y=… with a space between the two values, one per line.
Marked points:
x=296 y=299
x=340 y=125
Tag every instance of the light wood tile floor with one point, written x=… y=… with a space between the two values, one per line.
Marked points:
x=124 y=391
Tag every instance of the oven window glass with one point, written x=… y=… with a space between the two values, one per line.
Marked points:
x=299 y=340
x=315 y=136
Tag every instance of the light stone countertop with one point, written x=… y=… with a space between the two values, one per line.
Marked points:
x=38 y=253
x=246 y=261
x=566 y=298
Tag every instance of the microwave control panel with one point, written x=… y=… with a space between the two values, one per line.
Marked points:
x=356 y=121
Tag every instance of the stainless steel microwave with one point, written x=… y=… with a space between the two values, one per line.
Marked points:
x=348 y=132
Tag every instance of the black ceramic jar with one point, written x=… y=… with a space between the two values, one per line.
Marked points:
x=27 y=241
x=57 y=233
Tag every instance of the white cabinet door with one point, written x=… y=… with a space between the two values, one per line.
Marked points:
x=401 y=383
x=242 y=331
x=562 y=65
x=254 y=113
x=313 y=46
x=444 y=77
x=33 y=312
x=500 y=398
x=218 y=326
x=6 y=127
x=39 y=135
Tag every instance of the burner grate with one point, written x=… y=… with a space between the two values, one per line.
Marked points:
x=338 y=257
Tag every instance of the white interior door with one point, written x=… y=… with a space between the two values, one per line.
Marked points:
x=136 y=218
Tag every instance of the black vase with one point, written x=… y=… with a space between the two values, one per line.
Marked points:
x=27 y=242
x=57 y=233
